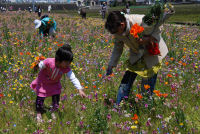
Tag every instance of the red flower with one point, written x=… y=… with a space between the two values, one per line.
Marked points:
x=135 y=117
x=1 y=95
x=139 y=96
x=153 y=49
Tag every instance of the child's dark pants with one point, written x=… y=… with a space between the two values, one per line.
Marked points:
x=40 y=103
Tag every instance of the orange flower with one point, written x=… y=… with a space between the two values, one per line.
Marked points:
x=135 y=30
x=94 y=86
x=146 y=86
x=111 y=75
x=173 y=89
x=50 y=48
x=28 y=53
x=21 y=53
x=106 y=40
x=166 y=63
x=184 y=57
x=195 y=52
x=60 y=44
x=156 y=91
x=180 y=62
x=103 y=68
x=169 y=75
x=159 y=95
x=184 y=49
x=164 y=95
x=100 y=75
x=33 y=65
x=184 y=64
x=84 y=54
x=42 y=58
x=135 y=117
x=171 y=58
x=37 y=58
x=86 y=87
x=139 y=96
x=82 y=84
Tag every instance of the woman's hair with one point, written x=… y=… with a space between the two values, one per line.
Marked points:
x=64 y=53
x=114 y=20
x=44 y=16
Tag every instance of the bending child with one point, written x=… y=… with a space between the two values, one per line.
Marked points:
x=48 y=81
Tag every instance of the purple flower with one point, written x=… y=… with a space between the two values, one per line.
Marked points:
x=83 y=107
x=126 y=97
x=68 y=122
x=81 y=123
x=109 y=116
x=146 y=105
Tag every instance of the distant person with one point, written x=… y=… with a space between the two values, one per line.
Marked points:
x=39 y=10
x=103 y=10
x=83 y=13
x=29 y=9
x=35 y=9
x=127 y=9
x=46 y=25
x=49 y=9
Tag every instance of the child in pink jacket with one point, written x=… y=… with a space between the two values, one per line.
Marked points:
x=48 y=81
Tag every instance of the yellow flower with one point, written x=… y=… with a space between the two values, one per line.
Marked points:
x=21 y=77
x=11 y=102
x=181 y=124
x=133 y=127
x=9 y=95
x=136 y=122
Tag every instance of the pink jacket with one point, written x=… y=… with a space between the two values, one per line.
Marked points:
x=48 y=81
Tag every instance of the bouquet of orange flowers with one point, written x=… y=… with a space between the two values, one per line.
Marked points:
x=50 y=22
x=137 y=31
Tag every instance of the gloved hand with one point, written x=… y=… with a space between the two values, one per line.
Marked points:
x=109 y=70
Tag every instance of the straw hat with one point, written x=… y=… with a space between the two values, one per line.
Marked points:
x=37 y=23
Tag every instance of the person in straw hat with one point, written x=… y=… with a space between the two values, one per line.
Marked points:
x=46 y=25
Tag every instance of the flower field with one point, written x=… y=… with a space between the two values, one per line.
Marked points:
x=173 y=109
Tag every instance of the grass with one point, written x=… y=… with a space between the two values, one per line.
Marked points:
x=20 y=45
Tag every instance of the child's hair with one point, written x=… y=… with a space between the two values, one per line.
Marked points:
x=64 y=53
x=114 y=20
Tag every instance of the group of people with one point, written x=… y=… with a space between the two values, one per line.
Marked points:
x=140 y=61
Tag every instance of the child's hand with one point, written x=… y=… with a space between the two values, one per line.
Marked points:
x=82 y=94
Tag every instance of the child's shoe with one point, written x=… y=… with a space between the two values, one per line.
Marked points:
x=39 y=118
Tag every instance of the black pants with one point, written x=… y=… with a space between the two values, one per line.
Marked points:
x=39 y=14
x=40 y=103
x=127 y=82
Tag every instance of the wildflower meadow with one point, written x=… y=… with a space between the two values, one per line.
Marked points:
x=174 y=108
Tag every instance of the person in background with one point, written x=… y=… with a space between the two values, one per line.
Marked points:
x=39 y=10
x=49 y=9
x=46 y=25
x=103 y=10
